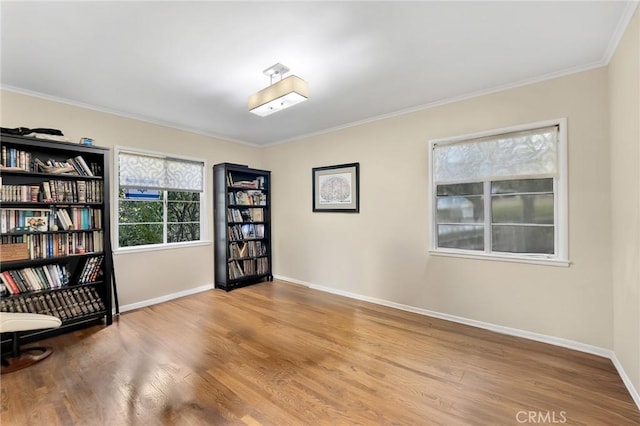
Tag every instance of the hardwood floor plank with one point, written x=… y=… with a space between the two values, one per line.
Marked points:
x=281 y=354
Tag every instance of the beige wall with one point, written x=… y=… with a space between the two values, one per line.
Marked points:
x=151 y=274
x=382 y=252
x=624 y=83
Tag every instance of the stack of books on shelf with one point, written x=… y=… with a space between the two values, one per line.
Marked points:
x=91 y=270
x=19 y=193
x=75 y=165
x=47 y=245
x=248 y=198
x=79 y=218
x=15 y=159
x=244 y=268
x=12 y=220
x=245 y=215
x=247 y=249
x=79 y=191
x=65 y=304
x=257 y=183
x=22 y=221
x=245 y=232
x=53 y=191
x=33 y=279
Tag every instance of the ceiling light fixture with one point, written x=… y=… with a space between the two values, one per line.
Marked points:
x=284 y=93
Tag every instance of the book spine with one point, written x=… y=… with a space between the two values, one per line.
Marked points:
x=8 y=281
x=18 y=280
x=87 y=170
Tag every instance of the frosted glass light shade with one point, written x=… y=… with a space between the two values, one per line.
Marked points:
x=283 y=94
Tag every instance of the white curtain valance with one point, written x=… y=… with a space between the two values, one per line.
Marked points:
x=531 y=153
x=156 y=172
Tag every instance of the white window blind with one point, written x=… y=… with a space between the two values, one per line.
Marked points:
x=157 y=172
x=502 y=194
x=531 y=153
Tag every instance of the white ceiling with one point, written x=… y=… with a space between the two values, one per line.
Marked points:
x=192 y=65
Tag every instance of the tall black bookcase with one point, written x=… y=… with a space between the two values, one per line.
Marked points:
x=242 y=225
x=55 y=254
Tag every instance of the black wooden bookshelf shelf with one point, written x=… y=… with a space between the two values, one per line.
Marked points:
x=251 y=202
x=48 y=205
x=247 y=257
x=249 y=279
x=49 y=290
x=14 y=264
x=74 y=285
x=50 y=176
x=16 y=234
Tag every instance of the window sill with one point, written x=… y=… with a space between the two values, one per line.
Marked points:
x=171 y=246
x=501 y=258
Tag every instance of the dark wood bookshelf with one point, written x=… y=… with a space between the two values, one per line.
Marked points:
x=87 y=302
x=232 y=272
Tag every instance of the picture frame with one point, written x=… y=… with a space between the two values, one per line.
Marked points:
x=336 y=188
x=36 y=223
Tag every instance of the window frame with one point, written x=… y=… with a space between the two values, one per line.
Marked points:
x=204 y=240
x=560 y=192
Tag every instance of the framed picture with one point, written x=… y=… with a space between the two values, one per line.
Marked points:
x=336 y=188
x=36 y=223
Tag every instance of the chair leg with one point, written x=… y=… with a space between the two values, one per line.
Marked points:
x=15 y=345
x=23 y=358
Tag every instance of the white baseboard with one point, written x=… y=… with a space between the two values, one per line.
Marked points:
x=626 y=379
x=165 y=298
x=557 y=341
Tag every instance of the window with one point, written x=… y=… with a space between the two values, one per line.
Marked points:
x=501 y=193
x=160 y=199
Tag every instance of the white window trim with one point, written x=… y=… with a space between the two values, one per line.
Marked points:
x=561 y=198
x=115 y=230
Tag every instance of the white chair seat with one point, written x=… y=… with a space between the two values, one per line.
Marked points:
x=17 y=321
x=14 y=322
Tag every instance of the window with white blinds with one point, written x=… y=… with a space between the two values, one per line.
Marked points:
x=501 y=193
x=161 y=199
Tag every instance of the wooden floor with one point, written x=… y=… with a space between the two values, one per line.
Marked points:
x=279 y=354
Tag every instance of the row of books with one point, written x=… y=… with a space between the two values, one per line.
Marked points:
x=76 y=218
x=47 y=246
x=33 y=279
x=75 y=165
x=245 y=232
x=54 y=191
x=245 y=215
x=257 y=183
x=245 y=268
x=247 y=198
x=13 y=218
x=247 y=249
x=92 y=270
x=66 y=304
x=79 y=218
x=20 y=193
x=17 y=159
x=72 y=191
x=22 y=160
